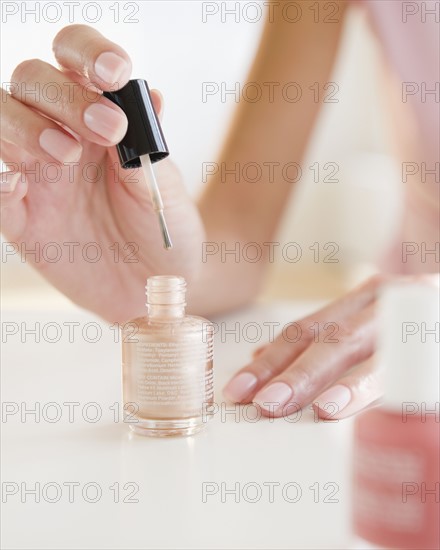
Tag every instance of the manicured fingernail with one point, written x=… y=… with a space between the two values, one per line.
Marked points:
x=60 y=146
x=240 y=386
x=8 y=181
x=112 y=68
x=273 y=396
x=339 y=395
x=106 y=122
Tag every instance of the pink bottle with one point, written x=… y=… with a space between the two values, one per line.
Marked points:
x=397 y=446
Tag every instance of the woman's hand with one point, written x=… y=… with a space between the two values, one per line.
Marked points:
x=86 y=224
x=326 y=358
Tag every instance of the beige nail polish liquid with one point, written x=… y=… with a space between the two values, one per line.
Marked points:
x=167 y=364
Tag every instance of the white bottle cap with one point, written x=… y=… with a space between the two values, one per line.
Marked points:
x=408 y=350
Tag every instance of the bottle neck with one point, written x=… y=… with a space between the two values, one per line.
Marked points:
x=159 y=311
x=166 y=297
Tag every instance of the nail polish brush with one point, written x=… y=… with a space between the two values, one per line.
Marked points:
x=144 y=143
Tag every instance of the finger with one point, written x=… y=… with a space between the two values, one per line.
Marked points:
x=39 y=136
x=156 y=95
x=84 y=50
x=129 y=180
x=158 y=103
x=295 y=338
x=85 y=111
x=14 y=157
x=319 y=366
x=259 y=350
x=358 y=389
x=13 y=188
x=79 y=79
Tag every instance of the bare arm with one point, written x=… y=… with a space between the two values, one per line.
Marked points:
x=271 y=130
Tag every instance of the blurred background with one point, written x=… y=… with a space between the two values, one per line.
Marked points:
x=177 y=51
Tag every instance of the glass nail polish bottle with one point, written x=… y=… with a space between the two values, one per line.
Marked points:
x=167 y=363
x=396 y=463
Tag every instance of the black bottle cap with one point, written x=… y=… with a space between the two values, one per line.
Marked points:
x=144 y=135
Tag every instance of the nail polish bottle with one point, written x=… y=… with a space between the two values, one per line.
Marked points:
x=396 y=461
x=167 y=364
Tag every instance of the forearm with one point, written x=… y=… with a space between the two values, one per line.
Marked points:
x=270 y=135
x=231 y=275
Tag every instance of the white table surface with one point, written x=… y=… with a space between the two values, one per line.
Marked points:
x=169 y=473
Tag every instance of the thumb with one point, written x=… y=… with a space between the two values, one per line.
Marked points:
x=127 y=179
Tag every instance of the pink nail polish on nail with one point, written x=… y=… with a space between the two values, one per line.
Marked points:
x=339 y=396
x=273 y=396
x=106 y=122
x=59 y=146
x=240 y=386
x=112 y=68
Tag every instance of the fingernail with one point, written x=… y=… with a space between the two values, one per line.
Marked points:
x=106 y=122
x=112 y=68
x=240 y=386
x=273 y=396
x=339 y=395
x=8 y=181
x=60 y=146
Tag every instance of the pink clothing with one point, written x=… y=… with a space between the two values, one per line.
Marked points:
x=409 y=33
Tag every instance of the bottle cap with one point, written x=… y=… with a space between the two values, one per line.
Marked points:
x=144 y=135
x=408 y=350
